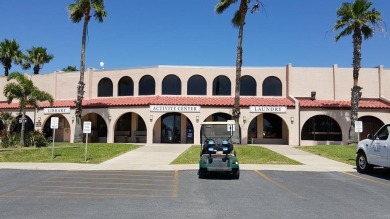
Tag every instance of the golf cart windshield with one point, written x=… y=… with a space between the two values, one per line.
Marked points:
x=214 y=130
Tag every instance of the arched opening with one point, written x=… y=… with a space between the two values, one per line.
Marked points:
x=147 y=85
x=98 y=130
x=272 y=86
x=130 y=128
x=62 y=133
x=171 y=85
x=16 y=126
x=196 y=85
x=267 y=128
x=248 y=86
x=126 y=86
x=321 y=128
x=371 y=125
x=221 y=86
x=105 y=88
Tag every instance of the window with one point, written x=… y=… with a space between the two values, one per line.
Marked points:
x=125 y=86
x=383 y=133
x=171 y=85
x=248 y=86
x=147 y=85
x=221 y=86
x=272 y=86
x=321 y=128
x=272 y=126
x=105 y=88
x=196 y=85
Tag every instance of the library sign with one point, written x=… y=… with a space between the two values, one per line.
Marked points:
x=178 y=108
x=268 y=109
x=64 y=110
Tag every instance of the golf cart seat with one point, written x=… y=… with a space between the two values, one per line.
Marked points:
x=209 y=147
x=227 y=147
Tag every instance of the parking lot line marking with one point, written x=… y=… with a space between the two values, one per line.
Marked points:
x=85 y=194
x=99 y=188
x=279 y=185
x=80 y=177
x=366 y=179
x=114 y=174
x=106 y=183
x=176 y=184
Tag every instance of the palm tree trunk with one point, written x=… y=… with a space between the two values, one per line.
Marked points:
x=355 y=91
x=23 y=130
x=78 y=135
x=236 y=109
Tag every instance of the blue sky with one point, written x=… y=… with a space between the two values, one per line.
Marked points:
x=177 y=32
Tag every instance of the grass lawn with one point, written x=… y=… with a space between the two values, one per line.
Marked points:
x=67 y=153
x=245 y=154
x=342 y=153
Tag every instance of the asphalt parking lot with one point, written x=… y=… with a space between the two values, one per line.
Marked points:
x=102 y=184
x=180 y=194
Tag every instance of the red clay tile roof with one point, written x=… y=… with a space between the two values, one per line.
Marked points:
x=344 y=104
x=164 y=100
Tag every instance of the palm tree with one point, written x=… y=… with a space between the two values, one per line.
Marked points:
x=7 y=118
x=238 y=22
x=10 y=53
x=82 y=9
x=70 y=68
x=36 y=56
x=359 y=20
x=24 y=90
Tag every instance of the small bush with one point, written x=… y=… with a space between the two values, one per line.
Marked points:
x=37 y=139
x=10 y=140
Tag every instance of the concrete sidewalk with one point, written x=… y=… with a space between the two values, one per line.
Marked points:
x=159 y=157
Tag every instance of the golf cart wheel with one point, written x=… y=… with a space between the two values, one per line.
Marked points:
x=362 y=166
x=236 y=173
x=202 y=173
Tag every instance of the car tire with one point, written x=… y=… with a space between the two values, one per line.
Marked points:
x=236 y=173
x=362 y=166
x=202 y=173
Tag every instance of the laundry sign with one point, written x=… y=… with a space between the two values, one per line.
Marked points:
x=268 y=109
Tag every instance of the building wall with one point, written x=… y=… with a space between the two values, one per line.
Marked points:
x=330 y=83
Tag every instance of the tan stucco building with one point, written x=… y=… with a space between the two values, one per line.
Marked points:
x=279 y=105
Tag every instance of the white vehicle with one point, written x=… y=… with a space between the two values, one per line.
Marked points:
x=374 y=151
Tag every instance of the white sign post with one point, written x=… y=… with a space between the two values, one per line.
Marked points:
x=358 y=126
x=54 y=126
x=87 y=127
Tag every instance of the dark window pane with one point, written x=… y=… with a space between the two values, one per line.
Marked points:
x=147 y=85
x=321 y=128
x=272 y=86
x=196 y=85
x=248 y=86
x=125 y=87
x=171 y=85
x=105 y=88
x=221 y=86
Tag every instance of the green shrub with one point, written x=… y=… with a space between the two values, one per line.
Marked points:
x=37 y=139
x=10 y=140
